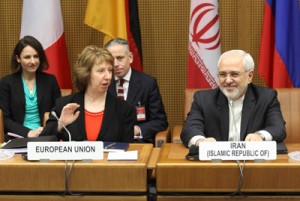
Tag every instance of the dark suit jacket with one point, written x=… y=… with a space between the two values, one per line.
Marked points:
x=209 y=115
x=144 y=89
x=117 y=125
x=12 y=100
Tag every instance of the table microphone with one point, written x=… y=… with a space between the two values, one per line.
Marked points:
x=193 y=154
x=53 y=113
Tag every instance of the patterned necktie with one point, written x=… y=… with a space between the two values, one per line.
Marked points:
x=120 y=89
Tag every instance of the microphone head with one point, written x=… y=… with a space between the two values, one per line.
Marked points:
x=193 y=153
x=194 y=150
x=53 y=113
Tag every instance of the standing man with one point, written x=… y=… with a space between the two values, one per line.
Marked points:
x=139 y=90
x=237 y=110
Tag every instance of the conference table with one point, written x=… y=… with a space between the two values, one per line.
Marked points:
x=88 y=180
x=181 y=179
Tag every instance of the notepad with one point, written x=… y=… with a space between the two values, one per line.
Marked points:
x=16 y=151
x=123 y=156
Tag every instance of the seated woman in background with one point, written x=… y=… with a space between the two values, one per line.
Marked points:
x=27 y=93
x=93 y=113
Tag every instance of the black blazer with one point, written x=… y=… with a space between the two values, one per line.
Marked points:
x=12 y=100
x=143 y=88
x=117 y=125
x=209 y=115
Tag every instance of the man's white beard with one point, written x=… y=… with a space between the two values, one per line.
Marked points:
x=235 y=93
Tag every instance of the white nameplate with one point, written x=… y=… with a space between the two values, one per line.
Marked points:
x=65 y=150
x=238 y=150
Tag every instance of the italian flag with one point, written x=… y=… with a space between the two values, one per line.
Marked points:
x=42 y=19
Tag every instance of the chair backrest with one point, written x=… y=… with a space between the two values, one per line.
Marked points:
x=1 y=127
x=188 y=100
x=289 y=99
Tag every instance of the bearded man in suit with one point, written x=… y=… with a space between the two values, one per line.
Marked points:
x=237 y=110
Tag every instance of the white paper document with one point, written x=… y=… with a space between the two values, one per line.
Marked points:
x=17 y=150
x=113 y=150
x=123 y=156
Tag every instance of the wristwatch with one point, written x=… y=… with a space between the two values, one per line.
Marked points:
x=261 y=135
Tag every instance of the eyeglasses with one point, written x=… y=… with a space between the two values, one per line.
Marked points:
x=233 y=74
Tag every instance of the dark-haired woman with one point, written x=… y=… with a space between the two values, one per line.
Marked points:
x=27 y=93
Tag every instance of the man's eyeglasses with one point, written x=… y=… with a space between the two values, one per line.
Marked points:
x=233 y=74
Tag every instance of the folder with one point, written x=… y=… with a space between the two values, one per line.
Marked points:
x=22 y=142
x=115 y=146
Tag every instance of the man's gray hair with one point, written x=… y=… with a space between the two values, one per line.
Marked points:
x=248 y=61
x=117 y=41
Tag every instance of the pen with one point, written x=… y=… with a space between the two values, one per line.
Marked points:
x=109 y=146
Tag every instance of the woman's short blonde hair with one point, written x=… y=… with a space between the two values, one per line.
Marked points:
x=85 y=63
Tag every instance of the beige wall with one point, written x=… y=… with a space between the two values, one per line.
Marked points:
x=164 y=29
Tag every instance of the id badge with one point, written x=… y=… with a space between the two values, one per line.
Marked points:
x=140 y=113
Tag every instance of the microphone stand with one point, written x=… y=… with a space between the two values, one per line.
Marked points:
x=53 y=113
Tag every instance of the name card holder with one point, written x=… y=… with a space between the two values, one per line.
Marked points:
x=85 y=151
x=238 y=150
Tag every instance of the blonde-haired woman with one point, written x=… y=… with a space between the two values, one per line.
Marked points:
x=93 y=114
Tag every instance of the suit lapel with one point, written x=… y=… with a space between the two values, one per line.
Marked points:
x=20 y=89
x=133 y=87
x=248 y=105
x=222 y=106
x=39 y=88
x=112 y=87
x=108 y=115
x=81 y=122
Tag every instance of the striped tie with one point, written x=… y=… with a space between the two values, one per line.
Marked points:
x=120 y=94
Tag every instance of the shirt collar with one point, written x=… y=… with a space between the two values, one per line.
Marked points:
x=238 y=101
